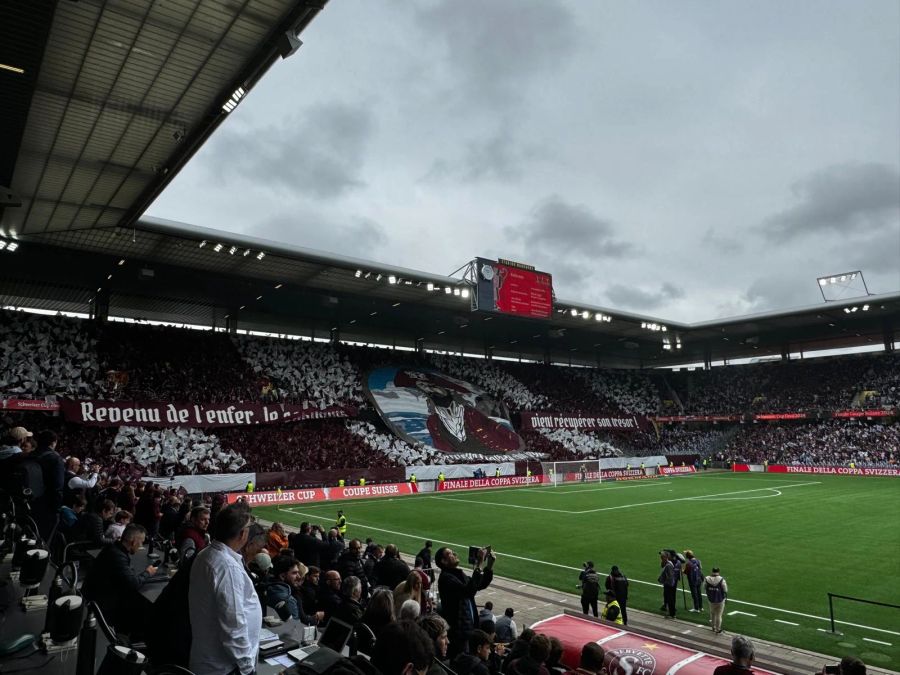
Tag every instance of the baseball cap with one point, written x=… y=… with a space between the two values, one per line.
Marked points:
x=20 y=433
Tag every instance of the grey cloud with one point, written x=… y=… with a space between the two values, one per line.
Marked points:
x=778 y=292
x=318 y=152
x=358 y=237
x=496 y=46
x=569 y=239
x=499 y=157
x=639 y=298
x=837 y=199
x=721 y=243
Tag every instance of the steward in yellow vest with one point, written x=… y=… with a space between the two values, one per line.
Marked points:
x=612 y=611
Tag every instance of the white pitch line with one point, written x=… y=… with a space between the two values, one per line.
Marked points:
x=642 y=484
x=739 y=612
x=687 y=499
x=878 y=642
x=632 y=580
x=789 y=623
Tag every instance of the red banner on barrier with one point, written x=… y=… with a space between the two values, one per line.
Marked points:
x=531 y=420
x=481 y=483
x=836 y=470
x=672 y=470
x=628 y=652
x=205 y=415
x=780 y=416
x=327 y=494
x=864 y=413
x=698 y=418
x=28 y=404
x=606 y=474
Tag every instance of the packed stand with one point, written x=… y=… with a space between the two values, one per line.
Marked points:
x=46 y=355
x=560 y=389
x=633 y=391
x=169 y=452
x=302 y=371
x=582 y=444
x=836 y=443
x=497 y=382
x=681 y=440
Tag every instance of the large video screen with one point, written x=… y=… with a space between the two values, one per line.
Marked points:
x=511 y=288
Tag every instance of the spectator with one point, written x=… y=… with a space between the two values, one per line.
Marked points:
x=46 y=507
x=117 y=527
x=410 y=609
x=475 y=662
x=115 y=587
x=283 y=590
x=192 y=537
x=277 y=540
x=379 y=612
x=350 y=610
x=12 y=441
x=69 y=515
x=309 y=590
x=533 y=662
x=74 y=482
x=457 y=591
x=349 y=564
x=849 y=665
x=329 y=598
x=391 y=570
x=487 y=613
x=668 y=577
x=225 y=612
x=505 y=628
x=693 y=570
x=716 y=592
x=592 y=660
x=410 y=589
x=402 y=648
x=92 y=525
x=437 y=628
x=741 y=658
x=611 y=611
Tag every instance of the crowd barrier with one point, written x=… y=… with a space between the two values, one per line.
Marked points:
x=675 y=470
x=495 y=482
x=820 y=470
x=628 y=652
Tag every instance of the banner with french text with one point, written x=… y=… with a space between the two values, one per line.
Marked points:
x=163 y=415
x=536 y=420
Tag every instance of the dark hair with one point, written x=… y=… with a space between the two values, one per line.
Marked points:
x=106 y=505
x=439 y=556
x=78 y=500
x=488 y=626
x=230 y=521
x=428 y=543
x=556 y=652
x=199 y=511
x=850 y=665
x=489 y=605
x=477 y=639
x=283 y=564
x=715 y=570
x=391 y=551
x=527 y=635
x=592 y=656
x=399 y=644
x=539 y=648
x=131 y=530
x=509 y=612
x=434 y=625
x=46 y=438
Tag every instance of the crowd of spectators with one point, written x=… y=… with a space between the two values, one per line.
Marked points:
x=46 y=355
x=632 y=391
x=167 y=452
x=837 y=443
x=494 y=380
x=584 y=444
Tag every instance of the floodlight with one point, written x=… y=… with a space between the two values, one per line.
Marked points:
x=455 y=291
x=865 y=308
x=232 y=250
x=358 y=274
x=574 y=312
x=429 y=286
x=12 y=246
x=2 y=245
x=378 y=277
x=217 y=248
x=202 y=244
x=246 y=252
x=260 y=255
x=447 y=290
x=465 y=293
x=392 y=279
x=585 y=314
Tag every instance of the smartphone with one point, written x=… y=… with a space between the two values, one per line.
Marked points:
x=473 y=554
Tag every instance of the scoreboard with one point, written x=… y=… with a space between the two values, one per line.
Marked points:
x=512 y=288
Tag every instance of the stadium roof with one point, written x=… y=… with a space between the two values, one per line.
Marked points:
x=105 y=100
x=169 y=271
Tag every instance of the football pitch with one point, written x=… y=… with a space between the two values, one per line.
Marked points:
x=783 y=542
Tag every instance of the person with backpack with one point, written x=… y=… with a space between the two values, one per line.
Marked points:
x=693 y=570
x=716 y=592
x=590 y=588
x=618 y=584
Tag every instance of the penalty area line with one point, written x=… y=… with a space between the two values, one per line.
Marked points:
x=412 y=535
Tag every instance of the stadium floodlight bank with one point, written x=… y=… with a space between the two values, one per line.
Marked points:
x=583 y=471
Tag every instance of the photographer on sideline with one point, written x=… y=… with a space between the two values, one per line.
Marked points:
x=590 y=588
x=457 y=591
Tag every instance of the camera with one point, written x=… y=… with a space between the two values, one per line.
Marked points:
x=832 y=670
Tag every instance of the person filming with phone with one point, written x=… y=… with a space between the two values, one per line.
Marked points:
x=457 y=592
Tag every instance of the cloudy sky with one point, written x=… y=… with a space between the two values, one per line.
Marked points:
x=689 y=160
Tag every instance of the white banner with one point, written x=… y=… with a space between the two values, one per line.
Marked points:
x=218 y=482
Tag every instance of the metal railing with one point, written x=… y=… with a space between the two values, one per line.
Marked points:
x=831 y=597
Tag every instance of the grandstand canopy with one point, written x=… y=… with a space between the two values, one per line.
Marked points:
x=168 y=271
x=105 y=100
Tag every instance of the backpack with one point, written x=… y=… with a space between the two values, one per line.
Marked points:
x=715 y=593
x=21 y=473
x=590 y=585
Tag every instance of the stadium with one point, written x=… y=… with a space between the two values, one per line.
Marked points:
x=171 y=391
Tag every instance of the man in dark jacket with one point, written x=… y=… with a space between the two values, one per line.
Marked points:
x=330 y=596
x=458 y=591
x=332 y=550
x=282 y=593
x=349 y=564
x=116 y=588
x=391 y=570
x=307 y=546
x=92 y=525
x=45 y=508
x=350 y=610
x=618 y=584
x=192 y=537
x=475 y=662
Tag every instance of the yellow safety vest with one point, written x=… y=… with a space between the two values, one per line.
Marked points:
x=441 y=476
x=341 y=482
x=342 y=524
x=250 y=486
x=362 y=482
x=618 y=619
x=412 y=479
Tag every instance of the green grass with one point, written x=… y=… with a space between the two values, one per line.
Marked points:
x=782 y=541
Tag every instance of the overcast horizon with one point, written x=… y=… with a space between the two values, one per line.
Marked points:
x=689 y=161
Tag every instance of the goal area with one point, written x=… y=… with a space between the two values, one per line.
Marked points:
x=584 y=471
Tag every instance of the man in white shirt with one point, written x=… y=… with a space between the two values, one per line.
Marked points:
x=226 y=615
